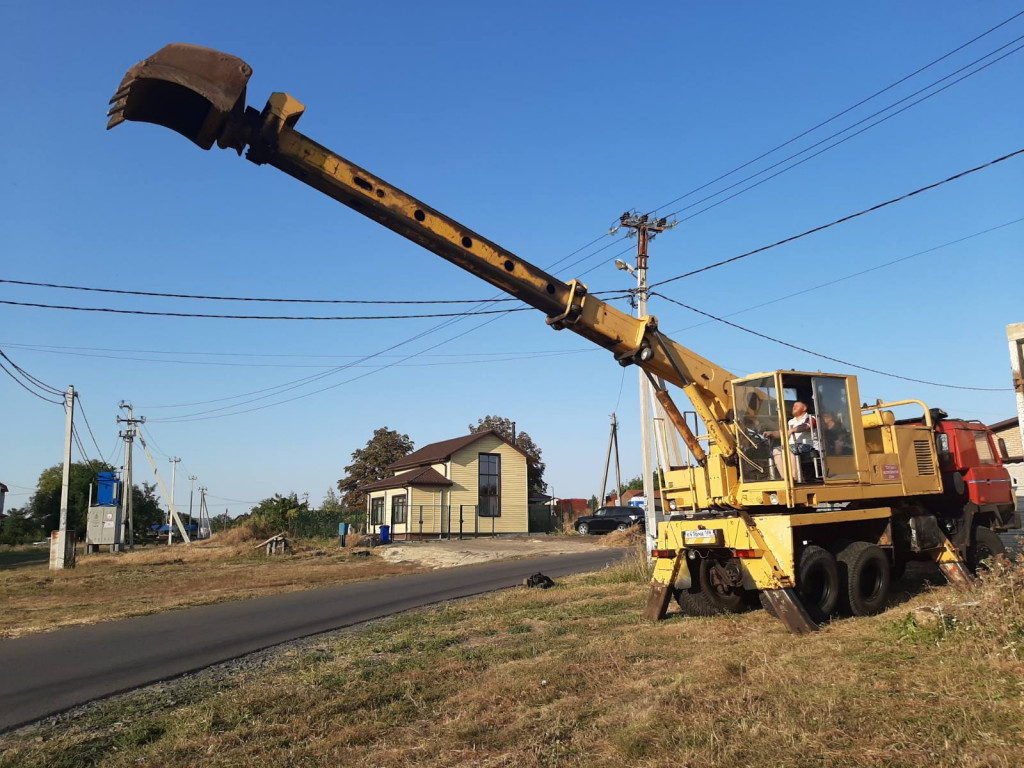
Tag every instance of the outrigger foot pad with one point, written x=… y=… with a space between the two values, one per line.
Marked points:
x=657 y=601
x=787 y=608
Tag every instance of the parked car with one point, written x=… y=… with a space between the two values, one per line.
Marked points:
x=608 y=519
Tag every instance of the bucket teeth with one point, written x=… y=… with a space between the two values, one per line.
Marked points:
x=192 y=90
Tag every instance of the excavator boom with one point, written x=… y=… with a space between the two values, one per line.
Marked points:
x=200 y=93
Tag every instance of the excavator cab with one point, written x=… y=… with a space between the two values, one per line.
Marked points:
x=823 y=448
x=190 y=89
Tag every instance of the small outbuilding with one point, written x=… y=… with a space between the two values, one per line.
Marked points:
x=474 y=485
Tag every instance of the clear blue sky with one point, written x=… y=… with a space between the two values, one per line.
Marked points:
x=536 y=124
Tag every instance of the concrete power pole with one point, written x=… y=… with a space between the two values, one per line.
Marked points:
x=62 y=547
x=129 y=481
x=645 y=228
x=191 y=494
x=170 y=523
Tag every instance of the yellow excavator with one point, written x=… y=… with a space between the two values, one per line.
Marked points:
x=809 y=515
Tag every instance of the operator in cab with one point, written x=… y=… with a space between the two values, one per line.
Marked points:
x=803 y=439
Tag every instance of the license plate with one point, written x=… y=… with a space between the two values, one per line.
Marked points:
x=703 y=536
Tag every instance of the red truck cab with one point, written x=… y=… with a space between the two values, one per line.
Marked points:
x=972 y=468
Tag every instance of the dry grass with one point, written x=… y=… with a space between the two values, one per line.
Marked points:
x=572 y=676
x=225 y=567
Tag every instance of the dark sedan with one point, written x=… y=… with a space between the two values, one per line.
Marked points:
x=608 y=519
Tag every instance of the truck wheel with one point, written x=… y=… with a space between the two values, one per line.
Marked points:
x=865 y=574
x=818 y=582
x=582 y=529
x=985 y=544
x=710 y=594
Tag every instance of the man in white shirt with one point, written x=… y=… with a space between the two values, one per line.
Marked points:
x=803 y=438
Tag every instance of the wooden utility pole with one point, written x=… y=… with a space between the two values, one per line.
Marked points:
x=613 y=439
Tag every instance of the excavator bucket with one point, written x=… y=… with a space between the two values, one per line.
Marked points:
x=188 y=88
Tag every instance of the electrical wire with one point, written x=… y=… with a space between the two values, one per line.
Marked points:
x=827 y=357
x=842 y=220
x=151 y=313
x=203 y=415
x=158 y=294
x=831 y=146
x=856 y=274
x=32 y=379
x=24 y=386
x=292 y=366
x=81 y=408
x=839 y=114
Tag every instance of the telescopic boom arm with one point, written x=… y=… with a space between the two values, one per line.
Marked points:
x=200 y=93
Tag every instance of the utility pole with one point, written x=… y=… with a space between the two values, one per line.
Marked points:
x=613 y=440
x=191 y=493
x=129 y=439
x=62 y=551
x=645 y=229
x=170 y=523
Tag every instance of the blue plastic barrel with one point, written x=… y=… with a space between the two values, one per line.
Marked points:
x=385 y=534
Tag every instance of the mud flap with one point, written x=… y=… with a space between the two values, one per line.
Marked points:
x=786 y=606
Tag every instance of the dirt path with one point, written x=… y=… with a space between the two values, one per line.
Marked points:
x=447 y=554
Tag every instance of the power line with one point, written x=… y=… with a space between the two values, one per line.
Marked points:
x=203 y=415
x=292 y=366
x=827 y=357
x=842 y=220
x=841 y=141
x=81 y=408
x=840 y=114
x=151 y=313
x=24 y=386
x=32 y=379
x=859 y=273
x=158 y=294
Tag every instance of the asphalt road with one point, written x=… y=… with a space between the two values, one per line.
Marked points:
x=50 y=672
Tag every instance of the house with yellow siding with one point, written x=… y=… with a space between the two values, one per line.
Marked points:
x=474 y=485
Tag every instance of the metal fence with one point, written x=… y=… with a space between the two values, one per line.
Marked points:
x=545 y=519
x=443 y=521
x=314 y=524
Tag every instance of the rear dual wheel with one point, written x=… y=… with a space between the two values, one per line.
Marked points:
x=865 y=577
x=818 y=582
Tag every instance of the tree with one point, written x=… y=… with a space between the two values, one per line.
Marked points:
x=17 y=528
x=44 y=508
x=370 y=463
x=275 y=512
x=534 y=466
x=146 y=511
x=592 y=502
x=332 y=505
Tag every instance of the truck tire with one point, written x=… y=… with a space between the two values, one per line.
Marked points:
x=985 y=543
x=708 y=595
x=865 y=575
x=818 y=582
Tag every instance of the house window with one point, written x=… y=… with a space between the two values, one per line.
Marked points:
x=377 y=511
x=490 y=485
x=398 y=508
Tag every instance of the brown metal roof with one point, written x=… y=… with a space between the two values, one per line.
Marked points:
x=438 y=453
x=1010 y=422
x=424 y=476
